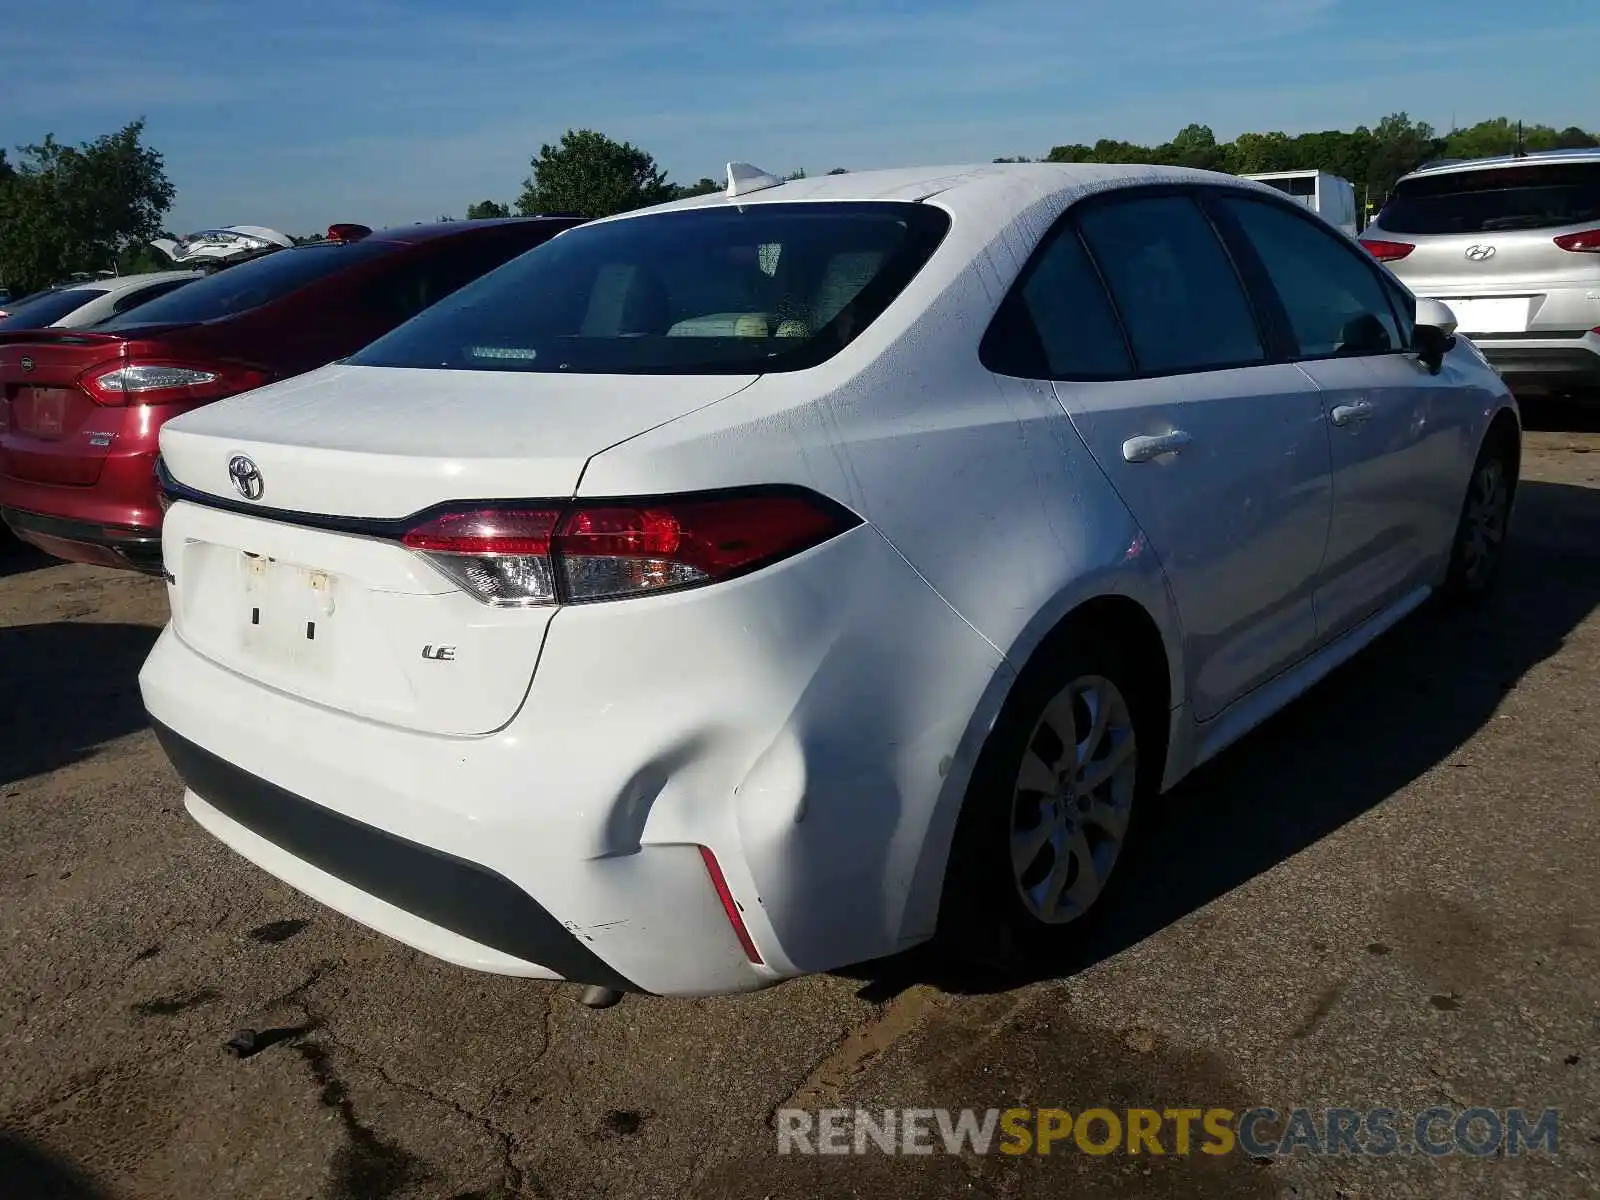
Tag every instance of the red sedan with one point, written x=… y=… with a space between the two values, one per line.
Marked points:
x=81 y=409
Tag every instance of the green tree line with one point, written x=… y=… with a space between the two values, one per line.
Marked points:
x=94 y=207
x=1371 y=158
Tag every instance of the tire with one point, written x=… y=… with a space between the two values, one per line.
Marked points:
x=997 y=913
x=1478 y=550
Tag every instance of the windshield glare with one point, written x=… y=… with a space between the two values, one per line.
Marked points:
x=771 y=287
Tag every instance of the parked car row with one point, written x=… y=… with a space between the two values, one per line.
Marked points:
x=83 y=403
x=79 y=305
x=771 y=580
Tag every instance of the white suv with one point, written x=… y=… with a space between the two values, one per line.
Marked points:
x=1513 y=246
x=768 y=581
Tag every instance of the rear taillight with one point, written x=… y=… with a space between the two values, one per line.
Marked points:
x=167 y=382
x=1587 y=242
x=571 y=554
x=1387 y=251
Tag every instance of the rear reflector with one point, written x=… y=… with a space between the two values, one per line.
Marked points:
x=730 y=905
x=1387 y=251
x=1587 y=242
x=547 y=554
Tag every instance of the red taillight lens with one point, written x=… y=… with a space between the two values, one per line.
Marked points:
x=1587 y=242
x=1387 y=251
x=149 y=382
x=539 y=555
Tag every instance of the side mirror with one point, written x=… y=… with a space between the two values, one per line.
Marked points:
x=1435 y=333
x=1436 y=313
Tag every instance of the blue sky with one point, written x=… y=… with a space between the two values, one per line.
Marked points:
x=294 y=114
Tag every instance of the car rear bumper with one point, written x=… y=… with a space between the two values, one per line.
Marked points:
x=479 y=905
x=88 y=541
x=810 y=725
x=113 y=522
x=1545 y=361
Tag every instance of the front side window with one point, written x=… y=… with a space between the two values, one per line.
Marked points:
x=1331 y=295
x=717 y=290
x=1180 y=299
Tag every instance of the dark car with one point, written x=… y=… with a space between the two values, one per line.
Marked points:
x=81 y=410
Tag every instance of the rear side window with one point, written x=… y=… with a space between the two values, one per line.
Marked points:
x=1332 y=297
x=144 y=295
x=1058 y=322
x=1496 y=199
x=251 y=284
x=718 y=290
x=1180 y=299
x=41 y=310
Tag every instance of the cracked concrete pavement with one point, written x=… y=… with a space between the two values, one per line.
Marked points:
x=1386 y=897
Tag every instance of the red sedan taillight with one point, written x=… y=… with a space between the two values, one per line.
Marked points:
x=1387 y=251
x=570 y=554
x=151 y=382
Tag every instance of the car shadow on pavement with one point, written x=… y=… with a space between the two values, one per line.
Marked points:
x=18 y=558
x=1369 y=729
x=68 y=687
x=29 y=1172
x=1561 y=416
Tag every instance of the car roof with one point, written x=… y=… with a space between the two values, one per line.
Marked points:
x=124 y=283
x=438 y=229
x=1450 y=166
x=992 y=189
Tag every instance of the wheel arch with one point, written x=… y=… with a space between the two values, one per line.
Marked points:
x=1149 y=640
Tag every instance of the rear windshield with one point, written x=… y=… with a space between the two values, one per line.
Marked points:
x=771 y=287
x=35 y=312
x=250 y=284
x=1547 y=196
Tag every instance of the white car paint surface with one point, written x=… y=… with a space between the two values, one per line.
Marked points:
x=813 y=723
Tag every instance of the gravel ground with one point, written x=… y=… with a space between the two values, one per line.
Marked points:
x=1387 y=897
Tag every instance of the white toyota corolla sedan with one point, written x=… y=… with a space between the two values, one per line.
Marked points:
x=777 y=579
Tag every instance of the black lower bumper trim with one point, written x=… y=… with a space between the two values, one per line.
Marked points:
x=140 y=549
x=449 y=892
x=1552 y=366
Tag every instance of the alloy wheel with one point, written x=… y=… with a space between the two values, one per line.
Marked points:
x=1483 y=527
x=1072 y=799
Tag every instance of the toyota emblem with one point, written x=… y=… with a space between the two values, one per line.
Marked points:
x=26 y=363
x=1480 y=253
x=246 y=477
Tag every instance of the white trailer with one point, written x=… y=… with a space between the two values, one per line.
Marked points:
x=1331 y=197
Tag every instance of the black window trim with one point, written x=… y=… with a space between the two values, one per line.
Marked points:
x=1269 y=335
x=1260 y=281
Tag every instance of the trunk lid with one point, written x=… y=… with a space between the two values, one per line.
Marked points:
x=347 y=617
x=50 y=429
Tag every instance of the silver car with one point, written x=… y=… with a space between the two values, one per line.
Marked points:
x=1512 y=245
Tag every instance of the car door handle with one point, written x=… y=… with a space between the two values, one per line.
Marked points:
x=1144 y=448
x=1343 y=414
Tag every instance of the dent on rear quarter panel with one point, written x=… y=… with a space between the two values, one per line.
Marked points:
x=978 y=481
